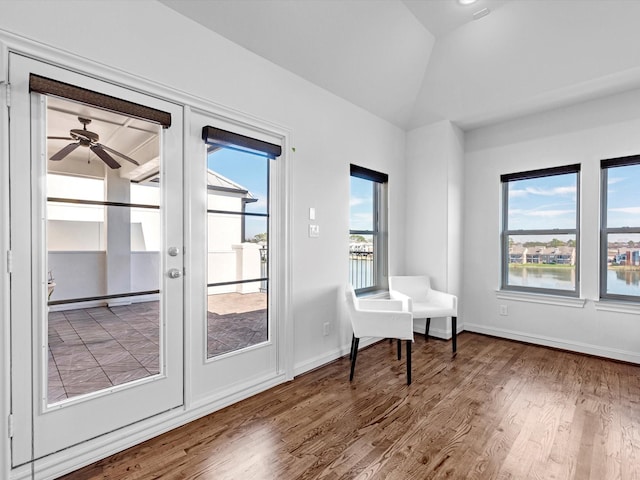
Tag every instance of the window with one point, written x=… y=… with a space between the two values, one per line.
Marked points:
x=367 y=230
x=620 y=230
x=540 y=235
x=237 y=240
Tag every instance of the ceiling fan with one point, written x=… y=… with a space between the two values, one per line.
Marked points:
x=87 y=138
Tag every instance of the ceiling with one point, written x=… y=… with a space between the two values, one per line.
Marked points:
x=414 y=62
x=138 y=139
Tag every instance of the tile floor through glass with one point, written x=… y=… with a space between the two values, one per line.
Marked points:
x=91 y=349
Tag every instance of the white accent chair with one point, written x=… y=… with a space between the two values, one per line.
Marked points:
x=424 y=302
x=378 y=318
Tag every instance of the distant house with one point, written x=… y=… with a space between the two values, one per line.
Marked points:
x=563 y=255
x=517 y=253
x=534 y=254
x=628 y=257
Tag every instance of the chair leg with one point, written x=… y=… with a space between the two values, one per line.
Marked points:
x=426 y=329
x=454 y=334
x=409 y=362
x=399 y=349
x=353 y=357
x=353 y=341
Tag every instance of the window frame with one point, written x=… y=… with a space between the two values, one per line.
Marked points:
x=605 y=231
x=505 y=233
x=379 y=232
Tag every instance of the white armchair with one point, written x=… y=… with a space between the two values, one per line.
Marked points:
x=378 y=318
x=424 y=302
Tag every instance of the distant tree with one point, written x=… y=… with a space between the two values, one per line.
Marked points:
x=556 y=243
x=357 y=239
x=534 y=244
x=631 y=244
x=571 y=243
x=259 y=238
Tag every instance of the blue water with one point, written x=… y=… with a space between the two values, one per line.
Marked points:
x=619 y=282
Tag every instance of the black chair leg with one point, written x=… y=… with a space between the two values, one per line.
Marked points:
x=408 y=362
x=426 y=329
x=454 y=334
x=353 y=341
x=353 y=357
x=399 y=349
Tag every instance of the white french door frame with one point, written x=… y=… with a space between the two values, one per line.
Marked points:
x=221 y=381
x=41 y=429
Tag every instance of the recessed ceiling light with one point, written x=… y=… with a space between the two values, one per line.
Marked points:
x=466 y=2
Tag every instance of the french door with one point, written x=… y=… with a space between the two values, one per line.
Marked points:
x=96 y=206
x=237 y=336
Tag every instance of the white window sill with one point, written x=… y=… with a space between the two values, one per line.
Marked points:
x=541 y=298
x=617 y=306
x=375 y=294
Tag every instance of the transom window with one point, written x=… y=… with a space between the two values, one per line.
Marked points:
x=540 y=234
x=620 y=230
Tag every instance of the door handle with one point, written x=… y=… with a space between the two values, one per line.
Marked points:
x=174 y=273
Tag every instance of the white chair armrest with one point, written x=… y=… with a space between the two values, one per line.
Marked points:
x=451 y=301
x=383 y=324
x=407 y=303
x=383 y=304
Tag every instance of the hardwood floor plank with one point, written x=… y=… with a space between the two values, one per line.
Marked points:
x=497 y=410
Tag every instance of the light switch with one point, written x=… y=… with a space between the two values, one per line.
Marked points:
x=314 y=231
x=312 y=213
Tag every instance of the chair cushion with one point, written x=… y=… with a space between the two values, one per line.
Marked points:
x=429 y=310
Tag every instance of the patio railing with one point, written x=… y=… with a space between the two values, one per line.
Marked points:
x=361 y=269
x=263 y=268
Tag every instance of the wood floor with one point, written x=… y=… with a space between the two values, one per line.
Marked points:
x=499 y=409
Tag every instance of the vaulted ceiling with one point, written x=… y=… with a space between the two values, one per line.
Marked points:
x=413 y=62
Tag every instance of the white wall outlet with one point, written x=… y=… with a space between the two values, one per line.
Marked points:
x=502 y=310
x=326 y=328
x=314 y=231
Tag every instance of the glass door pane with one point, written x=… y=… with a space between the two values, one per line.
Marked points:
x=237 y=250
x=103 y=236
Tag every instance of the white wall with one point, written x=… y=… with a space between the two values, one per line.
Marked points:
x=528 y=56
x=154 y=42
x=585 y=134
x=83 y=274
x=433 y=238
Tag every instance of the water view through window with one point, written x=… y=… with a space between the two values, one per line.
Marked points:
x=541 y=231
x=367 y=229
x=621 y=229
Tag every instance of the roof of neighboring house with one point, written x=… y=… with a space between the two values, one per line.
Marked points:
x=517 y=249
x=541 y=250
x=220 y=183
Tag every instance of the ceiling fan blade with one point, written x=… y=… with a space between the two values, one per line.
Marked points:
x=104 y=156
x=65 y=151
x=115 y=152
x=59 y=138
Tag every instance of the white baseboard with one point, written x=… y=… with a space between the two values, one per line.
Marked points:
x=442 y=333
x=579 y=347
x=153 y=297
x=78 y=456
x=329 y=357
